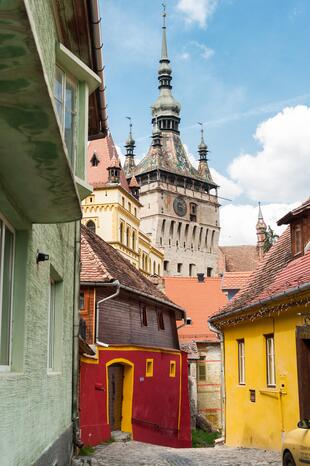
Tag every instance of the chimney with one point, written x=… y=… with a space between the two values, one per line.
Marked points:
x=201 y=277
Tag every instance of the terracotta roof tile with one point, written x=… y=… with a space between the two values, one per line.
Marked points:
x=262 y=278
x=200 y=300
x=191 y=349
x=239 y=258
x=235 y=280
x=97 y=176
x=102 y=263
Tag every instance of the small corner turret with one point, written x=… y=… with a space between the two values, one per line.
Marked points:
x=203 y=168
x=114 y=170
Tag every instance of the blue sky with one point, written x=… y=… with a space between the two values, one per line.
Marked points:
x=236 y=64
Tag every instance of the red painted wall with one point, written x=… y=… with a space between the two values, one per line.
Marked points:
x=155 y=410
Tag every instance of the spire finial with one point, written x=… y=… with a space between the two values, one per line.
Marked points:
x=164 y=14
x=130 y=126
x=260 y=213
x=201 y=131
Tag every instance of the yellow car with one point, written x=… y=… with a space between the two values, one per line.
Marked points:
x=296 y=445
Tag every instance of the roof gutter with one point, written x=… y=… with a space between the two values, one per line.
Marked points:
x=140 y=293
x=289 y=292
x=97 y=45
x=116 y=293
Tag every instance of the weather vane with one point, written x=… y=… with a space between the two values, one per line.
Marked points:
x=201 y=127
x=164 y=14
x=130 y=124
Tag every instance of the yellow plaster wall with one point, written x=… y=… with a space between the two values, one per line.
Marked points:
x=276 y=410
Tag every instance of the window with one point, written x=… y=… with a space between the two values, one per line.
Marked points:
x=52 y=326
x=172 y=369
x=179 y=267
x=94 y=160
x=121 y=232
x=241 y=362
x=135 y=211
x=166 y=266
x=160 y=320
x=158 y=270
x=129 y=206
x=128 y=237
x=82 y=300
x=65 y=97
x=193 y=212
x=270 y=361
x=133 y=241
x=202 y=373
x=143 y=315
x=7 y=243
x=149 y=368
x=91 y=226
x=209 y=271
x=123 y=201
x=191 y=269
x=297 y=239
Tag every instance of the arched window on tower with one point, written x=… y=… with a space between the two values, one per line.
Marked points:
x=200 y=237
x=91 y=226
x=128 y=237
x=206 y=238
x=212 y=240
x=154 y=268
x=134 y=240
x=121 y=232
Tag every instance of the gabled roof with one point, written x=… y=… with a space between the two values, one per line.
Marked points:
x=172 y=158
x=235 y=280
x=101 y=263
x=302 y=210
x=242 y=258
x=266 y=278
x=200 y=300
x=105 y=150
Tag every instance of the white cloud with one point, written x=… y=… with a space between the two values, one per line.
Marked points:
x=238 y=222
x=228 y=188
x=184 y=56
x=206 y=52
x=198 y=11
x=280 y=172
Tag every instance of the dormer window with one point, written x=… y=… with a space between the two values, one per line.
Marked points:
x=94 y=160
x=297 y=238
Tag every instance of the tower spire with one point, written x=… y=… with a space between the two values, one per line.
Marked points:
x=203 y=168
x=261 y=228
x=130 y=145
x=166 y=108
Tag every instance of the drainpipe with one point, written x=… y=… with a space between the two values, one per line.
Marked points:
x=118 y=285
x=75 y=340
x=97 y=42
x=223 y=391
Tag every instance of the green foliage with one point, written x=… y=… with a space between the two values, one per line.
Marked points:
x=270 y=239
x=201 y=439
x=87 y=450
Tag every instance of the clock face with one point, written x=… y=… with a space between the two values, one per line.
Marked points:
x=179 y=206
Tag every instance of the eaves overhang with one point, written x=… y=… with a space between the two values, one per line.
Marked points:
x=35 y=173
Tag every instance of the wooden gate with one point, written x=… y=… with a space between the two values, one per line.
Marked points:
x=116 y=377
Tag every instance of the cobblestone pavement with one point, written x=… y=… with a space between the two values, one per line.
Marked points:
x=141 y=454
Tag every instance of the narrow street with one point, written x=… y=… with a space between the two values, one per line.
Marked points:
x=141 y=454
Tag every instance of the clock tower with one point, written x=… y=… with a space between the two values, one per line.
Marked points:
x=180 y=203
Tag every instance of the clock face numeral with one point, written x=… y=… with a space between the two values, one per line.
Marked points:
x=179 y=206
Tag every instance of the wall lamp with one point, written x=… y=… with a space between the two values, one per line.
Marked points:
x=41 y=257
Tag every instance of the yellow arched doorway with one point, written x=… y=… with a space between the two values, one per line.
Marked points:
x=120 y=376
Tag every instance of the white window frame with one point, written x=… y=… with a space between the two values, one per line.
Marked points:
x=270 y=361
x=67 y=77
x=4 y=223
x=241 y=361
x=51 y=332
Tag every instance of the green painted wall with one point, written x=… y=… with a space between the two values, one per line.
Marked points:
x=35 y=405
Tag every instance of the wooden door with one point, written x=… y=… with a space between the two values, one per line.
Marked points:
x=303 y=366
x=116 y=376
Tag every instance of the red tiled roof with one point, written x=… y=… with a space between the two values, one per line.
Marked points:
x=97 y=176
x=134 y=183
x=235 y=280
x=101 y=263
x=200 y=300
x=263 y=277
x=238 y=258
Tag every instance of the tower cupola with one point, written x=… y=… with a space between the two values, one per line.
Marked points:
x=203 y=168
x=114 y=170
x=166 y=108
x=134 y=187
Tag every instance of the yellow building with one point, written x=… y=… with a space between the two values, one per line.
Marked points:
x=266 y=333
x=113 y=209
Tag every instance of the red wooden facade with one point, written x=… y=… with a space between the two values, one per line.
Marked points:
x=138 y=383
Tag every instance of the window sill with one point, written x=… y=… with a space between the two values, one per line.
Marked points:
x=10 y=375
